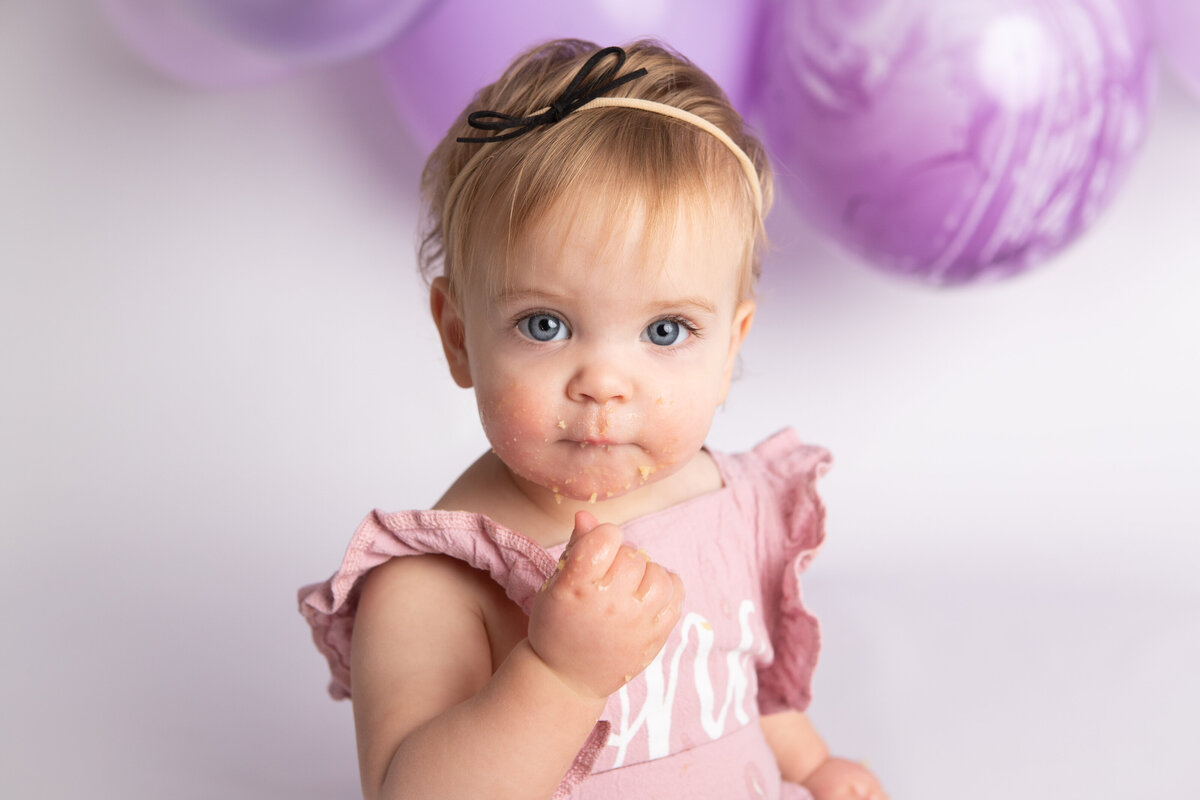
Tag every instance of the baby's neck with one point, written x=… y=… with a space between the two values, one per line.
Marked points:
x=488 y=487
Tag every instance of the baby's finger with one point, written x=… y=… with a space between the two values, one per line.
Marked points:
x=656 y=589
x=625 y=574
x=678 y=593
x=671 y=604
x=591 y=554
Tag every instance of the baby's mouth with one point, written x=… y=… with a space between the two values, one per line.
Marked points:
x=593 y=430
x=598 y=441
x=592 y=440
x=587 y=444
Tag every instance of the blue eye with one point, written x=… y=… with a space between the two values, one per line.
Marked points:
x=543 y=328
x=666 y=332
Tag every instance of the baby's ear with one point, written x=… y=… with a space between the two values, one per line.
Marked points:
x=449 y=320
x=743 y=320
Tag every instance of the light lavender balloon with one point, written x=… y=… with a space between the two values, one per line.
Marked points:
x=315 y=30
x=223 y=43
x=1177 y=28
x=172 y=38
x=459 y=46
x=955 y=140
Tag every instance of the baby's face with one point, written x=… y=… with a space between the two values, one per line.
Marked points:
x=596 y=372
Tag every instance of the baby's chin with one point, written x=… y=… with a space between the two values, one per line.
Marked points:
x=600 y=485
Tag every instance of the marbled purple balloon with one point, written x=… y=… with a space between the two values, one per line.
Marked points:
x=1177 y=27
x=954 y=140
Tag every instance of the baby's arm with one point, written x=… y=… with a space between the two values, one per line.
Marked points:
x=432 y=718
x=804 y=758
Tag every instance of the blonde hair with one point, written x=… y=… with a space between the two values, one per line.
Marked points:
x=618 y=156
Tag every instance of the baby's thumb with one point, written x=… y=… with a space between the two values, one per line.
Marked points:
x=584 y=523
x=591 y=549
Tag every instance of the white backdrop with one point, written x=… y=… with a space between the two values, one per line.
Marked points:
x=216 y=359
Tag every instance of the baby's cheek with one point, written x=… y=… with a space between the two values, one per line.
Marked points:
x=512 y=421
x=677 y=429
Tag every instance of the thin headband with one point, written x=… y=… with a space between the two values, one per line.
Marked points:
x=582 y=95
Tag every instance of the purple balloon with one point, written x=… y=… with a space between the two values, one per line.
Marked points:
x=459 y=46
x=222 y=43
x=1177 y=27
x=316 y=30
x=190 y=47
x=954 y=141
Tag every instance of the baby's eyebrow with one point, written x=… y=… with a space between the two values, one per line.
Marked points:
x=691 y=303
x=515 y=296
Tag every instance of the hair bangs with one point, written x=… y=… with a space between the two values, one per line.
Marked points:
x=617 y=162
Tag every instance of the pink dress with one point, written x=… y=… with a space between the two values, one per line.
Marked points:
x=687 y=726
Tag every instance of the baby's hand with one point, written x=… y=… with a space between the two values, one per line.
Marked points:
x=839 y=779
x=606 y=613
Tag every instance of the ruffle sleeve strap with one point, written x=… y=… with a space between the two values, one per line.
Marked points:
x=790 y=530
x=514 y=562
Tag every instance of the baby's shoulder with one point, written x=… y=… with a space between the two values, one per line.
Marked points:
x=416 y=585
x=421 y=576
x=443 y=596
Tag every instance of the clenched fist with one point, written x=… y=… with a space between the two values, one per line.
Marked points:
x=603 y=617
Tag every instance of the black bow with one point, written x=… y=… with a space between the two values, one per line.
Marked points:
x=580 y=92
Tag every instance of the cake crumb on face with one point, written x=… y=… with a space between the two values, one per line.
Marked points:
x=592 y=499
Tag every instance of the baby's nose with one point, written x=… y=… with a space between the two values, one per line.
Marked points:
x=600 y=378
